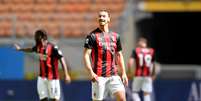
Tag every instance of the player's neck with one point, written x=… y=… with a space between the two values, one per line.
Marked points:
x=45 y=43
x=104 y=28
x=142 y=47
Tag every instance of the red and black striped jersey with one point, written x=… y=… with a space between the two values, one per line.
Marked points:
x=144 y=59
x=104 y=48
x=49 y=57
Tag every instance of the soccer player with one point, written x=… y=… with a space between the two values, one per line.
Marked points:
x=48 y=85
x=144 y=72
x=102 y=46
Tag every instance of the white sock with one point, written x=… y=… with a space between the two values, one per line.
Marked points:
x=147 y=97
x=136 y=97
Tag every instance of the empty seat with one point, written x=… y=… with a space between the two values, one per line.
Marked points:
x=44 y=8
x=71 y=18
x=110 y=1
x=6 y=26
x=75 y=1
x=5 y=31
x=21 y=30
x=24 y=8
x=25 y=16
x=4 y=8
x=27 y=1
x=46 y=1
x=53 y=29
x=110 y=7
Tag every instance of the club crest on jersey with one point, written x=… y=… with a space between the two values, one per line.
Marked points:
x=43 y=57
x=102 y=43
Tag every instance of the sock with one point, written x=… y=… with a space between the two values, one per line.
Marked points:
x=147 y=97
x=136 y=97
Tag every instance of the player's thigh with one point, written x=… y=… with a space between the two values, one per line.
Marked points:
x=98 y=89
x=116 y=87
x=42 y=87
x=147 y=86
x=137 y=84
x=54 y=89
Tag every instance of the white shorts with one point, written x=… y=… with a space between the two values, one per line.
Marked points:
x=106 y=85
x=142 y=83
x=48 y=88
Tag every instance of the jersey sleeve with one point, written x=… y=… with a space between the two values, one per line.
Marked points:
x=57 y=52
x=34 y=49
x=154 y=55
x=89 y=42
x=119 y=47
x=133 y=54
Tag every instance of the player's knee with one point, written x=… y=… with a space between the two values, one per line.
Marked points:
x=146 y=93
x=121 y=97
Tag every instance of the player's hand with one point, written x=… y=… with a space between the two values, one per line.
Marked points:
x=153 y=77
x=17 y=47
x=67 y=79
x=94 y=77
x=130 y=76
x=124 y=79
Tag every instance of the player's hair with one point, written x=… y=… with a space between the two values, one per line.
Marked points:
x=105 y=10
x=40 y=34
x=142 y=39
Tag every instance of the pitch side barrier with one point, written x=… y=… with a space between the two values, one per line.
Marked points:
x=164 y=90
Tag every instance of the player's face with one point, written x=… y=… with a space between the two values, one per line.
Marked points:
x=103 y=18
x=43 y=42
x=38 y=41
x=142 y=44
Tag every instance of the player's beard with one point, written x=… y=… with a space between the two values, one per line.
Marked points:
x=103 y=22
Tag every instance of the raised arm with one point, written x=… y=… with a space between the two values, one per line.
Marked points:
x=122 y=67
x=66 y=74
x=18 y=48
x=87 y=64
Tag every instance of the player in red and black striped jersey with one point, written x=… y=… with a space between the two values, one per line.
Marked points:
x=144 y=72
x=49 y=56
x=103 y=46
x=48 y=80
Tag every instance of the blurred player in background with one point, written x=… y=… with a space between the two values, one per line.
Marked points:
x=103 y=45
x=48 y=85
x=143 y=60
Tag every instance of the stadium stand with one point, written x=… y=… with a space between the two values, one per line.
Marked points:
x=68 y=18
